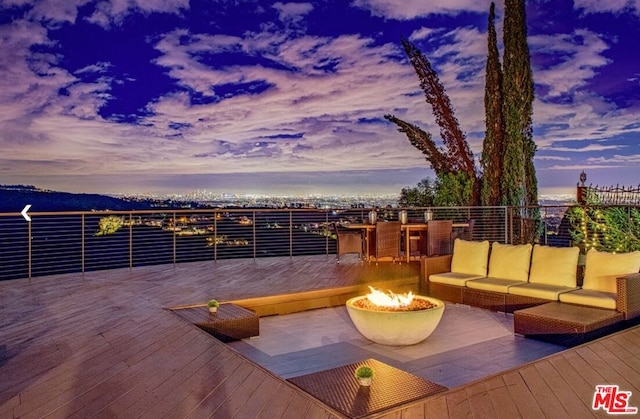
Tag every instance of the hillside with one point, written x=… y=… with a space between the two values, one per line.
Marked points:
x=13 y=198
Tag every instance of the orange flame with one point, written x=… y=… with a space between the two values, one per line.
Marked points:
x=389 y=299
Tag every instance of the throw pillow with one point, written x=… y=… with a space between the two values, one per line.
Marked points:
x=554 y=265
x=470 y=257
x=510 y=261
x=603 y=268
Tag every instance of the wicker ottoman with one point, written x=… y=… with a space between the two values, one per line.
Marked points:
x=561 y=320
x=230 y=323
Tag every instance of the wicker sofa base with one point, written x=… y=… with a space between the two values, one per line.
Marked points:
x=445 y=292
x=495 y=301
x=565 y=323
x=518 y=302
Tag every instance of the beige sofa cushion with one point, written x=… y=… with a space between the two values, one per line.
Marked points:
x=509 y=261
x=493 y=284
x=470 y=257
x=603 y=268
x=536 y=290
x=590 y=298
x=453 y=278
x=554 y=265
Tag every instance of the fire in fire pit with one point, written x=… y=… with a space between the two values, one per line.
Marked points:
x=392 y=319
x=390 y=301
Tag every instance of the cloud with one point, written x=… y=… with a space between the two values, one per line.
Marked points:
x=54 y=13
x=575 y=57
x=112 y=12
x=422 y=33
x=292 y=12
x=409 y=9
x=625 y=159
x=551 y=158
x=610 y=6
x=578 y=167
x=324 y=104
x=586 y=149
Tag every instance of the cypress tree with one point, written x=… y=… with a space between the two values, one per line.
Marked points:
x=456 y=157
x=493 y=144
x=519 y=186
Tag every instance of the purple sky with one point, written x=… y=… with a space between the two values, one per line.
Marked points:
x=170 y=96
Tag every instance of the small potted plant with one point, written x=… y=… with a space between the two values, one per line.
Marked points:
x=213 y=306
x=364 y=375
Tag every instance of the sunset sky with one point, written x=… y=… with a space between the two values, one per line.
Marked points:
x=272 y=97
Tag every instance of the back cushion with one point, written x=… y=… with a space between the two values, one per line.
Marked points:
x=603 y=268
x=470 y=257
x=510 y=261
x=554 y=265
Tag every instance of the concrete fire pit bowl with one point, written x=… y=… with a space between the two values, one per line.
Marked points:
x=396 y=328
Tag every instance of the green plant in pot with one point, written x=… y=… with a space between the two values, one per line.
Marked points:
x=213 y=306
x=364 y=375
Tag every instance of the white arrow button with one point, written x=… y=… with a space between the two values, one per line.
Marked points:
x=24 y=212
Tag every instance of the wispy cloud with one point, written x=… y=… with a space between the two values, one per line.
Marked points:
x=612 y=6
x=551 y=158
x=630 y=159
x=586 y=149
x=408 y=9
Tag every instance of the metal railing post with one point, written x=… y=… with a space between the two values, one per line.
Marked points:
x=253 y=225
x=29 y=247
x=215 y=235
x=506 y=224
x=326 y=235
x=175 y=227
x=82 y=244
x=290 y=233
x=130 y=242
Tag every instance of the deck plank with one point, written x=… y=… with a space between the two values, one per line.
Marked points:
x=528 y=405
x=569 y=401
x=503 y=404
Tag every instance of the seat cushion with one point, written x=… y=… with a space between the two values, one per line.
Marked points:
x=544 y=291
x=590 y=298
x=493 y=284
x=603 y=268
x=453 y=278
x=510 y=261
x=470 y=257
x=554 y=265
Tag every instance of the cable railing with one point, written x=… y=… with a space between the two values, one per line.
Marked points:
x=66 y=242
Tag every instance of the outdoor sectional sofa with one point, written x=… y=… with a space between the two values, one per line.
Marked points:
x=514 y=278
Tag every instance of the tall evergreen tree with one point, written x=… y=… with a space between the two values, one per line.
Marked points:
x=519 y=185
x=456 y=157
x=507 y=159
x=493 y=145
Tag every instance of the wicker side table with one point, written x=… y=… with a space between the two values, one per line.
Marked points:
x=578 y=323
x=230 y=323
x=389 y=388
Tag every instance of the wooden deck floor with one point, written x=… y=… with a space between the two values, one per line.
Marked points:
x=103 y=344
